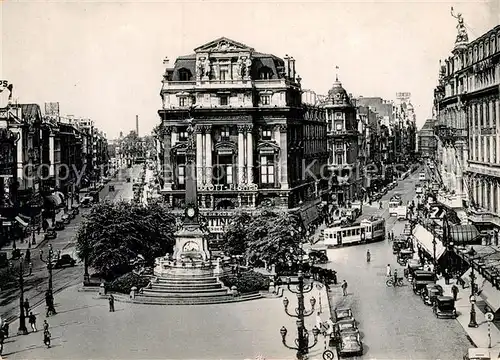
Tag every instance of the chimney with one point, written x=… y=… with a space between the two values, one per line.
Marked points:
x=137 y=125
x=287 y=66
x=292 y=75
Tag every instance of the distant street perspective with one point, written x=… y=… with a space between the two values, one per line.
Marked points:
x=250 y=212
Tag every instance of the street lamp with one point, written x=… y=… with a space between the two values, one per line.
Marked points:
x=302 y=341
x=22 y=330
x=472 y=298
x=49 y=297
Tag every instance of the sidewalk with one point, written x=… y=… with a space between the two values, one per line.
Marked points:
x=322 y=306
x=479 y=335
x=25 y=243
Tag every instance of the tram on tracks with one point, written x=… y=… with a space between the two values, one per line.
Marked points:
x=366 y=231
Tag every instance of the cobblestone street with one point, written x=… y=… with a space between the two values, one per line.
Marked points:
x=85 y=329
x=394 y=323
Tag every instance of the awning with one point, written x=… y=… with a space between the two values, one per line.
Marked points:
x=21 y=221
x=60 y=195
x=463 y=233
x=53 y=200
x=486 y=290
x=425 y=238
x=309 y=215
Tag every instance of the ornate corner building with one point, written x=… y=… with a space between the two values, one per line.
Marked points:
x=467 y=105
x=343 y=145
x=257 y=144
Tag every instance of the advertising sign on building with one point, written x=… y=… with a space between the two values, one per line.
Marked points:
x=52 y=110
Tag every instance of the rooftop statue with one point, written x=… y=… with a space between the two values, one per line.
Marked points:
x=462 y=35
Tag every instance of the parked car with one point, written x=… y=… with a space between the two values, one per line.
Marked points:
x=343 y=314
x=431 y=292
x=64 y=261
x=345 y=326
x=422 y=278
x=350 y=344
x=445 y=307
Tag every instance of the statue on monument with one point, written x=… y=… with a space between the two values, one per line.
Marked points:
x=462 y=35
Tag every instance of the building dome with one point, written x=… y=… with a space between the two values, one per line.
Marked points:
x=338 y=96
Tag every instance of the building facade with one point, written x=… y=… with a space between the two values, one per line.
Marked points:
x=344 y=160
x=468 y=109
x=257 y=144
x=427 y=143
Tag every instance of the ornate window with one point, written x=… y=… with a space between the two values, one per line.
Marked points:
x=223 y=73
x=265 y=73
x=185 y=74
x=481 y=52
x=487 y=48
x=265 y=99
x=183 y=101
x=266 y=134
x=267 y=169
x=181 y=172
x=224 y=169
x=224 y=134
x=339 y=159
x=183 y=135
x=224 y=100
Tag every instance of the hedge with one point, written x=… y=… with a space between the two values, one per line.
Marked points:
x=124 y=283
x=246 y=282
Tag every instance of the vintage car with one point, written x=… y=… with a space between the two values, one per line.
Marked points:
x=398 y=244
x=50 y=233
x=482 y=354
x=444 y=307
x=86 y=201
x=430 y=293
x=63 y=261
x=350 y=344
x=343 y=314
x=421 y=278
x=411 y=266
x=59 y=225
x=404 y=255
x=344 y=326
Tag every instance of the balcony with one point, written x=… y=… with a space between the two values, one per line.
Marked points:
x=342 y=133
x=484 y=169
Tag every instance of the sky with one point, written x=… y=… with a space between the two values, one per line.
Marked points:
x=104 y=60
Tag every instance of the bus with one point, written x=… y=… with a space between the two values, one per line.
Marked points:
x=366 y=231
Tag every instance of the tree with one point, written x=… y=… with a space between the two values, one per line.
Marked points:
x=113 y=234
x=273 y=237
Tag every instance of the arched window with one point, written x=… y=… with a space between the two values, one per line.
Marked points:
x=493 y=45
x=481 y=52
x=265 y=73
x=475 y=54
x=184 y=74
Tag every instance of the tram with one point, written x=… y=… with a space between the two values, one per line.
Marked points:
x=366 y=231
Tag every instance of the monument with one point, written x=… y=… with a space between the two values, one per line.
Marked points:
x=191 y=255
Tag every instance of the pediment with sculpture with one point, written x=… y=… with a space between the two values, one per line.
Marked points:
x=268 y=146
x=223 y=44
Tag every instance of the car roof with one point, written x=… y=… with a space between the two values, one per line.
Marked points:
x=346 y=321
x=445 y=298
x=343 y=309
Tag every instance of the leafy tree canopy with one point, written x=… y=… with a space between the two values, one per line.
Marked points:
x=113 y=234
x=270 y=236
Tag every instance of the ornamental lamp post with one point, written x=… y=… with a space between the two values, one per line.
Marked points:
x=22 y=330
x=472 y=298
x=49 y=259
x=302 y=340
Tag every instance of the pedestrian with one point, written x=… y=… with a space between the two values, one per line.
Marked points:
x=26 y=306
x=319 y=323
x=111 y=303
x=388 y=270
x=32 y=321
x=2 y=339
x=380 y=205
x=45 y=325
x=446 y=276
x=30 y=266
x=344 y=288
x=5 y=329
x=46 y=338
x=454 y=290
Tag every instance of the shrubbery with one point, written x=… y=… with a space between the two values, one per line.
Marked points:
x=247 y=282
x=124 y=283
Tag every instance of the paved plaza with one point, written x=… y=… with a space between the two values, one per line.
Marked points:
x=85 y=329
